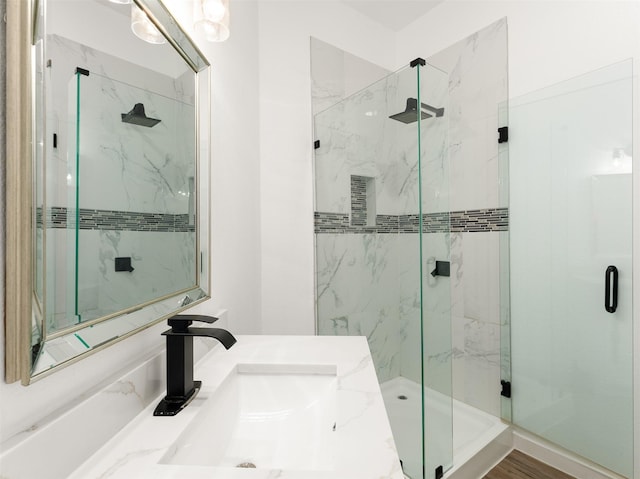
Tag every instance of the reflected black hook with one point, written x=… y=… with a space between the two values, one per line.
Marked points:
x=442 y=269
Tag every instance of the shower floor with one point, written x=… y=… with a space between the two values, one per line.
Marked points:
x=472 y=428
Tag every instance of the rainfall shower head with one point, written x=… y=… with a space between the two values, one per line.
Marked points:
x=137 y=116
x=410 y=114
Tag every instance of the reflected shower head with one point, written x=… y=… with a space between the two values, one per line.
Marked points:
x=137 y=116
x=410 y=114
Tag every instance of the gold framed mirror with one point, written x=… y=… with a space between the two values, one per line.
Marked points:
x=107 y=177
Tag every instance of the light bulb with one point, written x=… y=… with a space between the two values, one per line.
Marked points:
x=211 y=18
x=213 y=10
x=213 y=32
x=144 y=28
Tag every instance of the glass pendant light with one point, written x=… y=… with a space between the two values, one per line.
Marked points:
x=144 y=28
x=211 y=18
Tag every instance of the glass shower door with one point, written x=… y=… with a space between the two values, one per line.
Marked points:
x=571 y=265
x=435 y=257
x=381 y=222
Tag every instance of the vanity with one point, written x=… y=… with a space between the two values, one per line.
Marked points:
x=271 y=406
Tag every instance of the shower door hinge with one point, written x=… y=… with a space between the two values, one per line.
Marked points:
x=506 y=388
x=316 y=144
x=503 y=134
x=439 y=472
x=82 y=71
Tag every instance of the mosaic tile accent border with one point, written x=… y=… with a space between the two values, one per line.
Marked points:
x=470 y=221
x=117 y=220
x=490 y=219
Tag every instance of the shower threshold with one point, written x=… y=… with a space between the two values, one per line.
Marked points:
x=473 y=429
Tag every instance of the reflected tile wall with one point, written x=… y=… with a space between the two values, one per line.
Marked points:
x=129 y=167
x=102 y=290
x=123 y=168
x=65 y=55
x=163 y=262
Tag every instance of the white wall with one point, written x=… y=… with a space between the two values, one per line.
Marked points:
x=286 y=182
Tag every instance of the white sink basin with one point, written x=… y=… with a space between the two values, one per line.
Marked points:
x=271 y=416
x=270 y=401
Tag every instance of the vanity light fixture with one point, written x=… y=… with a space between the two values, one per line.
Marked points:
x=211 y=18
x=144 y=28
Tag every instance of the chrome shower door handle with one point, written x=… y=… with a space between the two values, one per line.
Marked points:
x=611 y=289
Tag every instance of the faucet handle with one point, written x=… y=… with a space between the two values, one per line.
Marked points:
x=180 y=322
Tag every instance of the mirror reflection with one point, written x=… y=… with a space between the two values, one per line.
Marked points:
x=116 y=174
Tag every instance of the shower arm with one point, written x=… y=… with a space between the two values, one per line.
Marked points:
x=437 y=111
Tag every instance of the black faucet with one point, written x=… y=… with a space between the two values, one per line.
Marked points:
x=181 y=388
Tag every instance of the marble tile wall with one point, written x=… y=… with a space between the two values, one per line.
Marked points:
x=336 y=74
x=357 y=294
x=357 y=291
x=477 y=87
x=357 y=138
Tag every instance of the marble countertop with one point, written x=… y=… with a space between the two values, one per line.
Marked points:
x=362 y=447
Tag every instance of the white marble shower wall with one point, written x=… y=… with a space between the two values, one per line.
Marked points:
x=336 y=74
x=477 y=88
x=127 y=173
x=358 y=291
x=357 y=138
x=357 y=282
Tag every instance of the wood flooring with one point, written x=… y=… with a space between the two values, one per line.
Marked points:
x=520 y=466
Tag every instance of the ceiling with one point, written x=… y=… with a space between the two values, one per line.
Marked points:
x=393 y=14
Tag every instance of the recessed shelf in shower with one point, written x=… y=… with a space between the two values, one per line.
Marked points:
x=363 y=201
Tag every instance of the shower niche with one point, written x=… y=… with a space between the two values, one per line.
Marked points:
x=363 y=201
